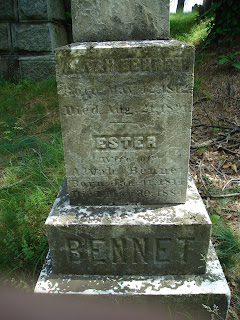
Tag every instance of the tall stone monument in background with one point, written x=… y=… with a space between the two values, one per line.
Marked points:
x=129 y=222
x=29 y=33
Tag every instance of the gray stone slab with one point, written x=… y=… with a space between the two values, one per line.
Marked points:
x=187 y=296
x=8 y=10
x=120 y=20
x=126 y=115
x=44 y=10
x=38 y=37
x=37 y=68
x=9 y=66
x=5 y=38
x=140 y=240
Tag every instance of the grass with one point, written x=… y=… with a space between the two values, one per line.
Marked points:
x=227 y=245
x=32 y=170
x=188 y=27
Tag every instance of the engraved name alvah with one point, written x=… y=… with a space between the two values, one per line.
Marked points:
x=106 y=170
x=127 y=250
x=124 y=65
x=126 y=142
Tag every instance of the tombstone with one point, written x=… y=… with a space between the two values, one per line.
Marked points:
x=126 y=116
x=129 y=222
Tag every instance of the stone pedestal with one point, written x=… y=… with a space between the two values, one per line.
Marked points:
x=129 y=240
x=190 y=296
x=153 y=255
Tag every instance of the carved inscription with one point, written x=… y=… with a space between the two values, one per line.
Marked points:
x=126 y=142
x=133 y=191
x=156 y=183
x=124 y=65
x=133 y=251
x=126 y=116
x=164 y=86
x=97 y=171
x=157 y=109
x=162 y=249
x=118 y=252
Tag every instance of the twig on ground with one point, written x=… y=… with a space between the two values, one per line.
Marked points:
x=230 y=182
x=202 y=99
x=221 y=195
x=201 y=176
x=13 y=184
x=218 y=171
x=208 y=126
x=228 y=150
x=203 y=106
x=207 y=143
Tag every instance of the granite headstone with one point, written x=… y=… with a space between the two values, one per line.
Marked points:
x=126 y=116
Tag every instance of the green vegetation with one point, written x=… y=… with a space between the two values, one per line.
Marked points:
x=210 y=54
x=231 y=58
x=225 y=15
x=227 y=245
x=32 y=171
x=188 y=27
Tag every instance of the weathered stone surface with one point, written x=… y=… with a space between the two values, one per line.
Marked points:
x=32 y=37
x=141 y=240
x=45 y=10
x=9 y=66
x=184 y=295
x=5 y=38
x=8 y=10
x=120 y=20
x=37 y=68
x=126 y=115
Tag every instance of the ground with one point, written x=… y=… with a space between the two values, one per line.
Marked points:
x=215 y=151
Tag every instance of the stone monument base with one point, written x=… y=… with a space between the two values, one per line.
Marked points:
x=129 y=240
x=195 y=297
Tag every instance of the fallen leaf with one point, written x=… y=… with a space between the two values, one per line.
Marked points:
x=207 y=203
x=234 y=167
x=227 y=165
